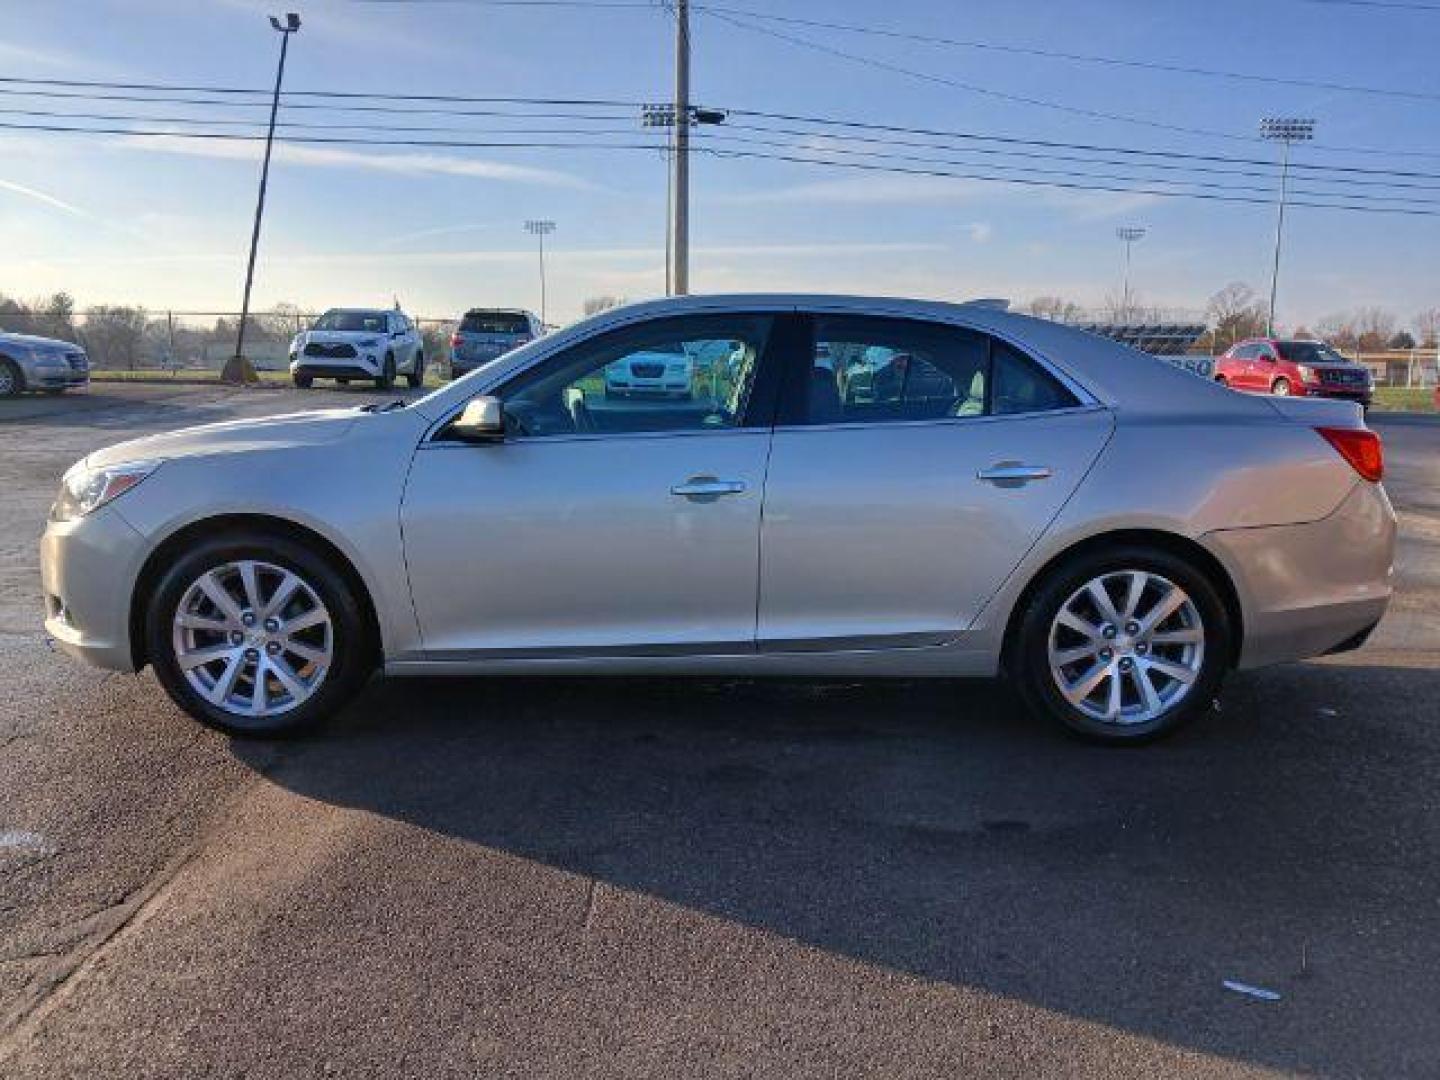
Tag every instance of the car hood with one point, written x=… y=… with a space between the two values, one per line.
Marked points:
x=233 y=436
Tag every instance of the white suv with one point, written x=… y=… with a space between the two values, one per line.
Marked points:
x=359 y=343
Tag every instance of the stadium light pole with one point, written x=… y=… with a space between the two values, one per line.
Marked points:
x=677 y=205
x=541 y=229
x=1286 y=131
x=291 y=25
x=1128 y=234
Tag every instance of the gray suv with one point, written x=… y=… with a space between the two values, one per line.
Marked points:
x=37 y=363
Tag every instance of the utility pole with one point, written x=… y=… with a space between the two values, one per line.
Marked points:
x=680 y=161
x=1285 y=131
x=1128 y=234
x=236 y=371
x=540 y=229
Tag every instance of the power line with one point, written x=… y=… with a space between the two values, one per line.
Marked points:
x=719 y=152
x=1084 y=58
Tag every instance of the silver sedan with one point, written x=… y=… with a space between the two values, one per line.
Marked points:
x=1016 y=497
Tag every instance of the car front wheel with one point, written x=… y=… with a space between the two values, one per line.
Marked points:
x=257 y=635
x=11 y=381
x=417 y=374
x=386 y=379
x=1123 y=646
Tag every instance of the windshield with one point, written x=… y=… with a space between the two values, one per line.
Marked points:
x=370 y=322
x=1309 y=352
x=494 y=322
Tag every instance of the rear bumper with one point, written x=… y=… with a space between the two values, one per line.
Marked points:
x=1306 y=590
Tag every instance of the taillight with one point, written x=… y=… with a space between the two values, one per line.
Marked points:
x=454 y=341
x=1361 y=448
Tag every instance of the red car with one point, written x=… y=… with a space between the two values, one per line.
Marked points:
x=1302 y=368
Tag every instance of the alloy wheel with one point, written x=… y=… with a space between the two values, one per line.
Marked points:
x=1126 y=647
x=253 y=638
x=7 y=380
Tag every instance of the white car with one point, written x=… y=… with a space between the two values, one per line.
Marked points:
x=359 y=343
x=664 y=371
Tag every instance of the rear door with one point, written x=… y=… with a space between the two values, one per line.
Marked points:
x=894 y=511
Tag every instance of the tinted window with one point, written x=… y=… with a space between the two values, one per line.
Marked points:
x=875 y=369
x=1309 y=352
x=1021 y=385
x=494 y=322
x=691 y=373
x=367 y=321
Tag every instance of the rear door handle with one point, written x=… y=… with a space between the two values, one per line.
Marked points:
x=1013 y=474
x=707 y=488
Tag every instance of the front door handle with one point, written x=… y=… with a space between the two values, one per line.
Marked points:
x=1013 y=474
x=707 y=488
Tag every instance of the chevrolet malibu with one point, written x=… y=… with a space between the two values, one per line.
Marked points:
x=1111 y=533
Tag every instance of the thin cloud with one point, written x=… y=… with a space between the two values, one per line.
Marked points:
x=335 y=158
x=48 y=200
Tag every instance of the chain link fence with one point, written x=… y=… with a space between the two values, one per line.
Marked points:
x=136 y=339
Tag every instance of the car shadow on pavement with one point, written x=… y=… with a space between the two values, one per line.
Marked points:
x=1287 y=840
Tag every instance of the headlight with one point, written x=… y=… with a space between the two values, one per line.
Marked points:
x=1308 y=373
x=83 y=490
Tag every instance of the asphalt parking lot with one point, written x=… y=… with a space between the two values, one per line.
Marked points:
x=681 y=877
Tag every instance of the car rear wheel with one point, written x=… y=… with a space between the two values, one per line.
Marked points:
x=257 y=635
x=1123 y=646
x=303 y=382
x=417 y=376
x=11 y=381
x=1281 y=387
x=386 y=379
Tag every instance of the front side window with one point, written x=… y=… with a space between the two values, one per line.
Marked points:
x=866 y=369
x=693 y=373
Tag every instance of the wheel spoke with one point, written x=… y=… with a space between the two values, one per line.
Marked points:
x=1114 y=702
x=1166 y=606
x=249 y=581
x=200 y=657
x=212 y=587
x=259 y=695
x=1141 y=677
x=1138 y=581
x=307 y=652
x=1066 y=657
x=305 y=620
x=1179 y=672
x=288 y=679
x=1101 y=599
x=220 y=692
x=1069 y=619
x=281 y=596
x=194 y=621
x=1085 y=685
x=1188 y=635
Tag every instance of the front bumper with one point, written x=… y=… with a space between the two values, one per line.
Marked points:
x=56 y=378
x=1359 y=395
x=88 y=568
x=1306 y=590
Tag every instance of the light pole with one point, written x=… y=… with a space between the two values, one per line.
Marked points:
x=1285 y=130
x=291 y=25
x=677 y=186
x=541 y=229
x=1128 y=234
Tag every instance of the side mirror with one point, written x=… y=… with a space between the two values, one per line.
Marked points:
x=482 y=420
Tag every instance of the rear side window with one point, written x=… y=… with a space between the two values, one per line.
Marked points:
x=864 y=369
x=494 y=322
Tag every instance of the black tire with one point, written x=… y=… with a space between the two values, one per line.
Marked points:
x=12 y=379
x=1281 y=387
x=417 y=377
x=353 y=650
x=1222 y=380
x=1029 y=662
x=303 y=382
x=386 y=379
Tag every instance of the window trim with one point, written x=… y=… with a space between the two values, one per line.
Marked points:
x=799 y=366
x=762 y=403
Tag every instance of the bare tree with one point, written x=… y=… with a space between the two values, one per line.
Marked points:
x=1427 y=325
x=114 y=335
x=1339 y=330
x=597 y=304
x=1054 y=307
x=1235 y=313
x=1376 y=327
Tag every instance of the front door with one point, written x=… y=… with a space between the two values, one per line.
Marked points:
x=601 y=525
x=895 y=507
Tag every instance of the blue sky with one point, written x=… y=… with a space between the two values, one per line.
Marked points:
x=165 y=223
